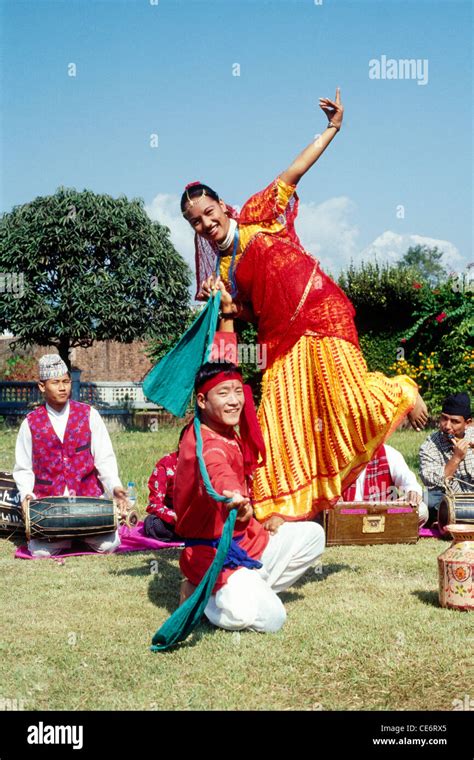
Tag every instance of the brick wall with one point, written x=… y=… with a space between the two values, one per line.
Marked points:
x=104 y=360
x=109 y=360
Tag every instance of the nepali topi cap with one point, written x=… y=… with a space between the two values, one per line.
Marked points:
x=51 y=366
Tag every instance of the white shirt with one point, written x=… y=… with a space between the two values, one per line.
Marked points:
x=101 y=448
x=403 y=478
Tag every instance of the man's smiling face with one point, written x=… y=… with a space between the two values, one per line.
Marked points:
x=222 y=405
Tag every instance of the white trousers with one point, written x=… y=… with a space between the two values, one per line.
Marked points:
x=105 y=543
x=249 y=598
x=423 y=514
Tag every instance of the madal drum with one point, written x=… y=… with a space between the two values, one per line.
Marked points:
x=69 y=517
x=11 y=520
x=454 y=509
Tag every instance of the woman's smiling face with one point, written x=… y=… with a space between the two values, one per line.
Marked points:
x=207 y=217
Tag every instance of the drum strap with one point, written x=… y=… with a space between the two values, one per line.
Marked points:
x=465 y=482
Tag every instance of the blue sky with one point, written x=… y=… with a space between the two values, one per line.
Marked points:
x=167 y=69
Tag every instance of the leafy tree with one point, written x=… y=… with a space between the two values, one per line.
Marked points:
x=384 y=297
x=89 y=267
x=159 y=346
x=440 y=312
x=438 y=349
x=407 y=326
x=380 y=350
x=252 y=374
x=427 y=262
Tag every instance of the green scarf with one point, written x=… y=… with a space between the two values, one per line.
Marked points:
x=170 y=383
x=185 y=618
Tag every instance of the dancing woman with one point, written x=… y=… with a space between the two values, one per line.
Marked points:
x=322 y=413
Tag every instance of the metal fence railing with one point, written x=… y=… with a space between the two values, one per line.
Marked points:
x=18 y=397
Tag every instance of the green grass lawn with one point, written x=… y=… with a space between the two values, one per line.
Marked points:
x=365 y=634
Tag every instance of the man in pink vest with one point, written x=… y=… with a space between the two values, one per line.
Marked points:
x=63 y=448
x=387 y=477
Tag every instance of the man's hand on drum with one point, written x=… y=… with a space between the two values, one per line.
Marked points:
x=413 y=498
x=121 y=497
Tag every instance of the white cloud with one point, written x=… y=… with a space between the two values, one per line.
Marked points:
x=327 y=232
x=391 y=246
x=165 y=210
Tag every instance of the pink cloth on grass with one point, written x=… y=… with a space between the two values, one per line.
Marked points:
x=132 y=540
x=432 y=532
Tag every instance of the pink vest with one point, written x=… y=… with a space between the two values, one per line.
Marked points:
x=70 y=463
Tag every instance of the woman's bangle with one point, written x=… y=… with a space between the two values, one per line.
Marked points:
x=330 y=124
x=227 y=315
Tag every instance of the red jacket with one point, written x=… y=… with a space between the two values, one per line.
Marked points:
x=199 y=516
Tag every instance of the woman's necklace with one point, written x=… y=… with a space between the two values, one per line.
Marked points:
x=229 y=237
x=233 y=286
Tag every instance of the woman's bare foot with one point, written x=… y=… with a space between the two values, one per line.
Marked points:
x=185 y=591
x=419 y=414
x=273 y=523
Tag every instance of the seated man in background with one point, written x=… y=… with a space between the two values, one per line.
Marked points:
x=448 y=454
x=64 y=449
x=160 y=521
x=387 y=477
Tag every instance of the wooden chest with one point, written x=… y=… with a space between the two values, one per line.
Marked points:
x=372 y=522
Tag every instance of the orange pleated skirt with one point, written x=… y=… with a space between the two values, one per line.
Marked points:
x=323 y=415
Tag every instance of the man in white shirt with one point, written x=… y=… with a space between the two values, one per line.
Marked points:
x=63 y=449
x=387 y=477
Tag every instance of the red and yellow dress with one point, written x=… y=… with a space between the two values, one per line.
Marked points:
x=322 y=414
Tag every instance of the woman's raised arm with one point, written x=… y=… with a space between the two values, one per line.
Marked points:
x=334 y=111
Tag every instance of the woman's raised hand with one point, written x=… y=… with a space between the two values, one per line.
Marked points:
x=210 y=286
x=226 y=298
x=333 y=110
x=206 y=288
x=305 y=160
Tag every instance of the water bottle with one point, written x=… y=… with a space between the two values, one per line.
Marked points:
x=132 y=493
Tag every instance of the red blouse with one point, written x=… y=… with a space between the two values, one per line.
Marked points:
x=279 y=283
x=290 y=294
x=160 y=488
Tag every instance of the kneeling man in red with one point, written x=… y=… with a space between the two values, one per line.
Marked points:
x=260 y=564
